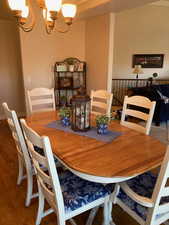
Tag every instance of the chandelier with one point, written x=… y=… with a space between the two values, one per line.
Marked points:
x=23 y=13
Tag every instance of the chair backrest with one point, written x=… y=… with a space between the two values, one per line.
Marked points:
x=48 y=181
x=141 y=108
x=17 y=134
x=101 y=102
x=161 y=190
x=41 y=99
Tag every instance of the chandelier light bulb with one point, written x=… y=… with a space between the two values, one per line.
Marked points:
x=69 y=10
x=46 y=15
x=53 y=5
x=25 y=12
x=17 y=4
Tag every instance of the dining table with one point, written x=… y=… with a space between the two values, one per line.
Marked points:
x=128 y=155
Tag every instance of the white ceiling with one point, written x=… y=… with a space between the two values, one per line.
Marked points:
x=87 y=8
x=96 y=7
x=161 y=3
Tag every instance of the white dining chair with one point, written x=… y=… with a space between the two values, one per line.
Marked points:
x=141 y=108
x=22 y=151
x=41 y=99
x=146 y=197
x=101 y=102
x=67 y=194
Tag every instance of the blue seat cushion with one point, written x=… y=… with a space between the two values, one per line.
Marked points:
x=143 y=185
x=78 y=192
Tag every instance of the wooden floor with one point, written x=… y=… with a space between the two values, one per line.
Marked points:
x=12 y=197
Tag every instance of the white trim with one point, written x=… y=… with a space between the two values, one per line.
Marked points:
x=92 y=178
x=110 y=51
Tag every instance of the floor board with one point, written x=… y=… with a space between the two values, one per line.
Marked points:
x=12 y=197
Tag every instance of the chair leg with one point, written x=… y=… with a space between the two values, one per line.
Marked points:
x=21 y=169
x=110 y=204
x=92 y=215
x=106 y=213
x=40 y=207
x=72 y=221
x=29 y=188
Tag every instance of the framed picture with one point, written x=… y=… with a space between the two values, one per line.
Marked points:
x=65 y=82
x=148 y=60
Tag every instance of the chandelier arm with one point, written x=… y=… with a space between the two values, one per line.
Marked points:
x=24 y=27
x=50 y=28
x=64 y=31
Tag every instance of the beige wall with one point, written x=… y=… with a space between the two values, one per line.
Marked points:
x=97 y=51
x=40 y=51
x=11 y=84
x=137 y=31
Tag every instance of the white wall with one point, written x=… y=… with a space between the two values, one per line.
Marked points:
x=40 y=51
x=11 y=83
x=142 y=30
x=97 y=51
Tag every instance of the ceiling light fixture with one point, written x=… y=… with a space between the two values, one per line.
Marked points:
x=23 y=12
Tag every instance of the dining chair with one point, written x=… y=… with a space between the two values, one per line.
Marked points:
x=141 y=108
x=67 y=194
x=146 y=197
x=101 y=102
x=22 y=151
x=41 y=99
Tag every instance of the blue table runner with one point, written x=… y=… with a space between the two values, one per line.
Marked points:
x=92 y=133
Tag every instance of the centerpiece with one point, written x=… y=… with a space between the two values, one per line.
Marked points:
x=64 y=114
x=80 y=111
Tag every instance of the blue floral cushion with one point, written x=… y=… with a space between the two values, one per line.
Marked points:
x=78 y=192
x=143 y=185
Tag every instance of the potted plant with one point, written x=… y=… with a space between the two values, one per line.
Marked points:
x=71 y=64
x=102 y=124
x=64 y=114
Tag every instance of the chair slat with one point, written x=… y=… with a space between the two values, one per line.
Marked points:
x=46 y=179
x=134 y=126
x=42 y=102
x=43 y=97
x=41 y=159
x=100 y=105
x=137 y=114
x=106 y=105
x=139 y=101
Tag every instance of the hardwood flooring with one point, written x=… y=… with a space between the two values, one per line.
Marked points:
x=12 y=197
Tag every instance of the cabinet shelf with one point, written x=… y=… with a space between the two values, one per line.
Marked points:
x=68 y=82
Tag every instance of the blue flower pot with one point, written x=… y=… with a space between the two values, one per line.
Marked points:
x=65 y=121
x=102 y=129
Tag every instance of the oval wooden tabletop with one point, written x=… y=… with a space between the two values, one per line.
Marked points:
x=128 y=155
